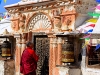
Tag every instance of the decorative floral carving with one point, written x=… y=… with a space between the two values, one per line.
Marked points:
x=57 y=23
x=27 y=17
x=22 y=19
x=14 y=24
x=66 y=22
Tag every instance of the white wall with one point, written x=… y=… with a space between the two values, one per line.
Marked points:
x=1 y=67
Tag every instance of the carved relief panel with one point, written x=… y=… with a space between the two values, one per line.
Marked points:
x=68 y=18
x=18 y=22
x=67 y=22
x=15 y=24
x=39 y=22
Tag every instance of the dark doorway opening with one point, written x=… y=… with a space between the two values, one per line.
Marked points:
x=41 y=46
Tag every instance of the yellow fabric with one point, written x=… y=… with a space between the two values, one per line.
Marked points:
x=86 y=43
x=94 y=20
x=5 y=1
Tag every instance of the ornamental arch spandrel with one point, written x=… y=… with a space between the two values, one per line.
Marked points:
x=38 y=21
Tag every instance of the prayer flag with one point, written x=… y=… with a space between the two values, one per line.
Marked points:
x=5 y=1
x=86 y=43
x=97 y=47
x=93 y=14
x=86 y=36
x=94 y=20
x=91 y=25
x=91 y=30
x=98 y=7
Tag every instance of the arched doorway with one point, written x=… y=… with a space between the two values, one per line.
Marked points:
x=38 y=22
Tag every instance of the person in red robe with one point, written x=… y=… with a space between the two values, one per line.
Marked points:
x=29 y=59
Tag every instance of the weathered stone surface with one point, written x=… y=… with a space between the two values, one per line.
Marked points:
x=1 y=67
x=9 y=67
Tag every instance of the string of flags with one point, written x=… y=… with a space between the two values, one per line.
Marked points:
x=4 y=15
x=89 y=31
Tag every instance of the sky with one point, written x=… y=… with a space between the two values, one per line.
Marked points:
x=8 y=2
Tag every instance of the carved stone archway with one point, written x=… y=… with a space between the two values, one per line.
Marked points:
x=39 y=21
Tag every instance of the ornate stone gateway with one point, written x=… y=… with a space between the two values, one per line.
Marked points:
x=42 y=49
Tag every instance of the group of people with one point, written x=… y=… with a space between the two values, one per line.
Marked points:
x=29 y=59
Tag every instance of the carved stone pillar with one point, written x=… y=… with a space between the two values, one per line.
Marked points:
x=29 y=38
x=54 y=53
x=54 y=42
x=17 y=53
x=23 y=41
x=53 y=70
x=59 y=51
x=50 y=57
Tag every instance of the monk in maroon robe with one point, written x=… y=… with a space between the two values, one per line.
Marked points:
x=28 y=64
